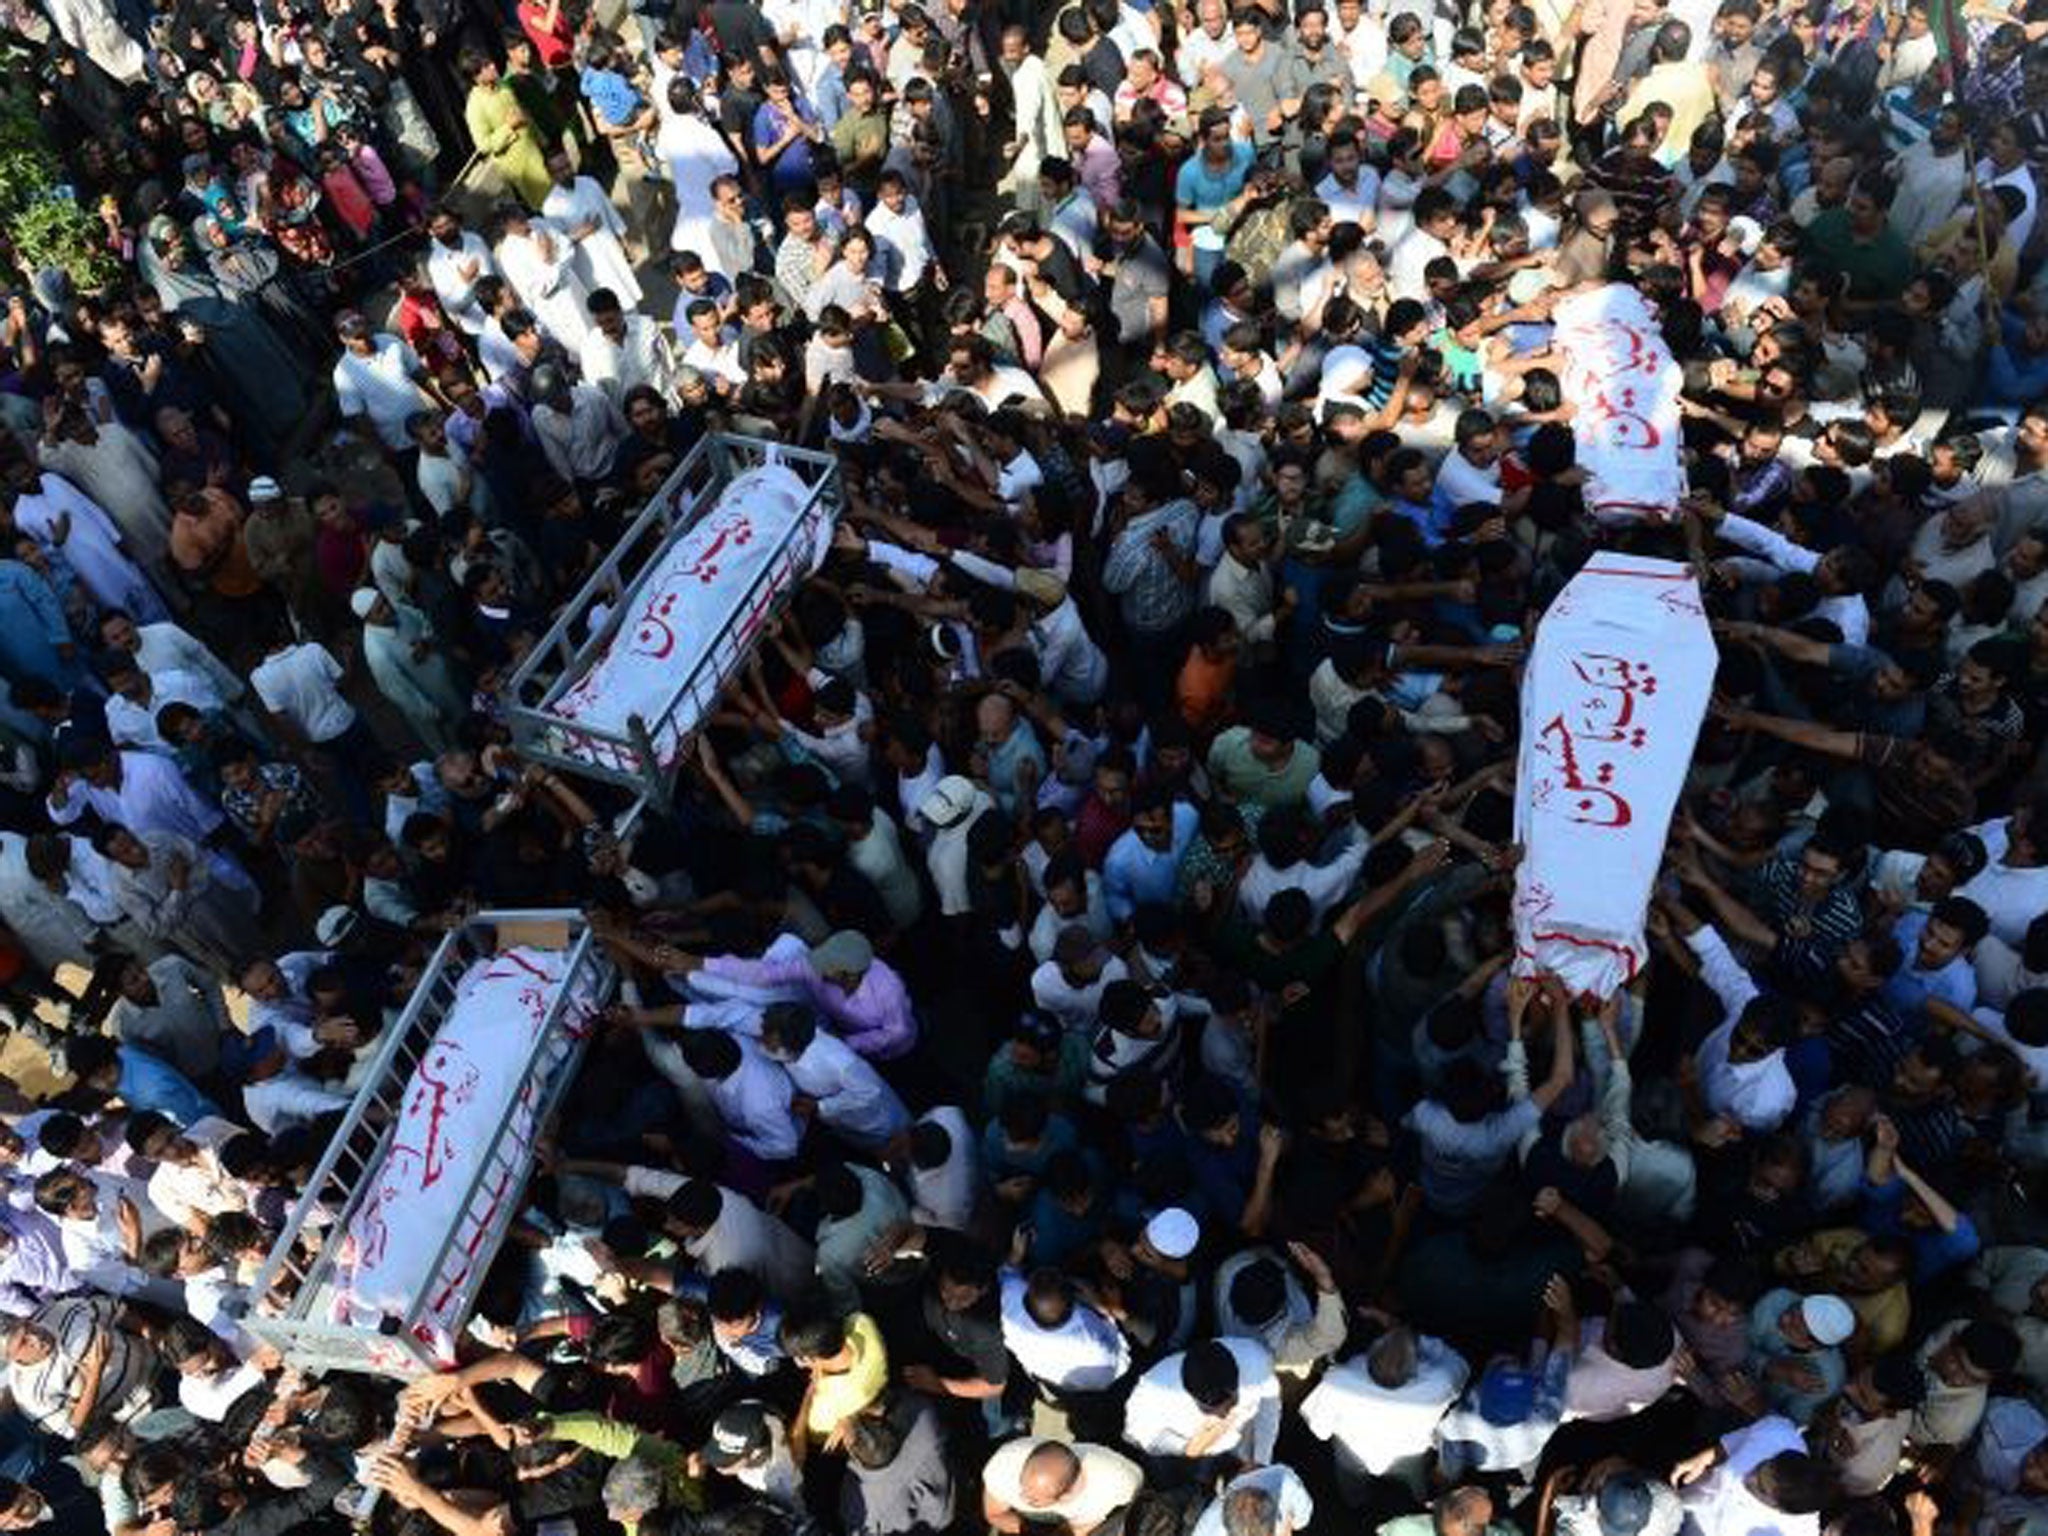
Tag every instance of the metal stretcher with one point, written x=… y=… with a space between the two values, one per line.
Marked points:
x=645 y=757
x=294 y=1307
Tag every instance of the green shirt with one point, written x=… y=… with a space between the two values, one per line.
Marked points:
x=1878 y=268
x=861 y=140
x=616 y=1441
x=1245 y=777
x=1005 y=1078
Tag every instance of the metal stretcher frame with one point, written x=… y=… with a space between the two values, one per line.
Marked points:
x=631 y=759
x=295 y=1289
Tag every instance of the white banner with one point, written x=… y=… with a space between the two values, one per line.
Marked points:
x=1622 y=378
x=1616 y=686
x=704 y=602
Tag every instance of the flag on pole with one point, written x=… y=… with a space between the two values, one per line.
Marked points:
x=1951 y=38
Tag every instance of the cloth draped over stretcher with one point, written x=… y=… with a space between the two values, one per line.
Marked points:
x=1616 y=685
x=1625 y=384
x=438 y=1182
x=693 y=617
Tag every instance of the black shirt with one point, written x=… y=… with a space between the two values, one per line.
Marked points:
x=740 y=29
x=974 y=1339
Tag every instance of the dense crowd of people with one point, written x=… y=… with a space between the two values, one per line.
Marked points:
x=1067 y=1074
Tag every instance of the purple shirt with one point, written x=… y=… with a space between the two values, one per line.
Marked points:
x=875 y=1018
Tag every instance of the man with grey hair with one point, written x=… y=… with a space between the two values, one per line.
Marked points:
x=651 y=1473
x=633 y=1489
x=1267 y=1501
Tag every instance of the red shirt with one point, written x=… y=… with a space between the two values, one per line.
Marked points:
x=433 y=339
x=647 y=1398
x=1096 y=826
x=551 y=48
x=345 y=195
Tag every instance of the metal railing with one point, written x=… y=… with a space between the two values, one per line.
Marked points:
x=645 y=756
x=296 y=1289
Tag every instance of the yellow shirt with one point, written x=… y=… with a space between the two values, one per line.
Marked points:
x=841 y=1396
x=1882 y=1316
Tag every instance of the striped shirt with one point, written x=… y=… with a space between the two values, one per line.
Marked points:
x=48 y=1390
x=1809 y=938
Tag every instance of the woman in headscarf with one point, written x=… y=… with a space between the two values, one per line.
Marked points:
x=247 y=267
x=255 y=366
x=409 y=668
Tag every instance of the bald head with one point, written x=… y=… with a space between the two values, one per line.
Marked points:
x=1049 y=1474
x=993 y=718
x=1465 y=1511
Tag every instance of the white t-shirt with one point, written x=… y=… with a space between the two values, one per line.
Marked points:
x=1107 y=1483
x=381 y=387
x=1086 y=1353
x=1720 y=1503
x=1381 y=1426
x=1287 y=1491
x=944 y=1196
x=1459 y=481
x=210 y=1397
x=2012 y=897
x=298 y=683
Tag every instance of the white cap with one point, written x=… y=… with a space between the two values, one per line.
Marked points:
x=1828 y=1319
x=335 y=924
x=263 y=488
x=1173 y=1233
x=949 y=801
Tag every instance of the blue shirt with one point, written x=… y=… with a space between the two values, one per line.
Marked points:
x=1000 y=1160
x=717 y=289
x=829 y=96
x=1202 y=186
x=1220 y=1178
x=1433 y=522
x=1934 y=1251
x=1767 y=1339
x=1955 y=983
x=611 y=95
x=148 y=1082
x=1460 y=1159
x=1134 y=874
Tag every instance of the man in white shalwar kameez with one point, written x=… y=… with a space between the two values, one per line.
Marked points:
x=624 y=350
x=113 y=467
x=51 y=926
x=1040 y=131
x=90 y=27
x=800 y=27
x=141 y=790
x=164 y=647
x=456 y=259
x=59 y=516
x=579 y=206
x=70 y=869
x=170 y=889
x=539 y=260
x=697 y=155
x=132 y=708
